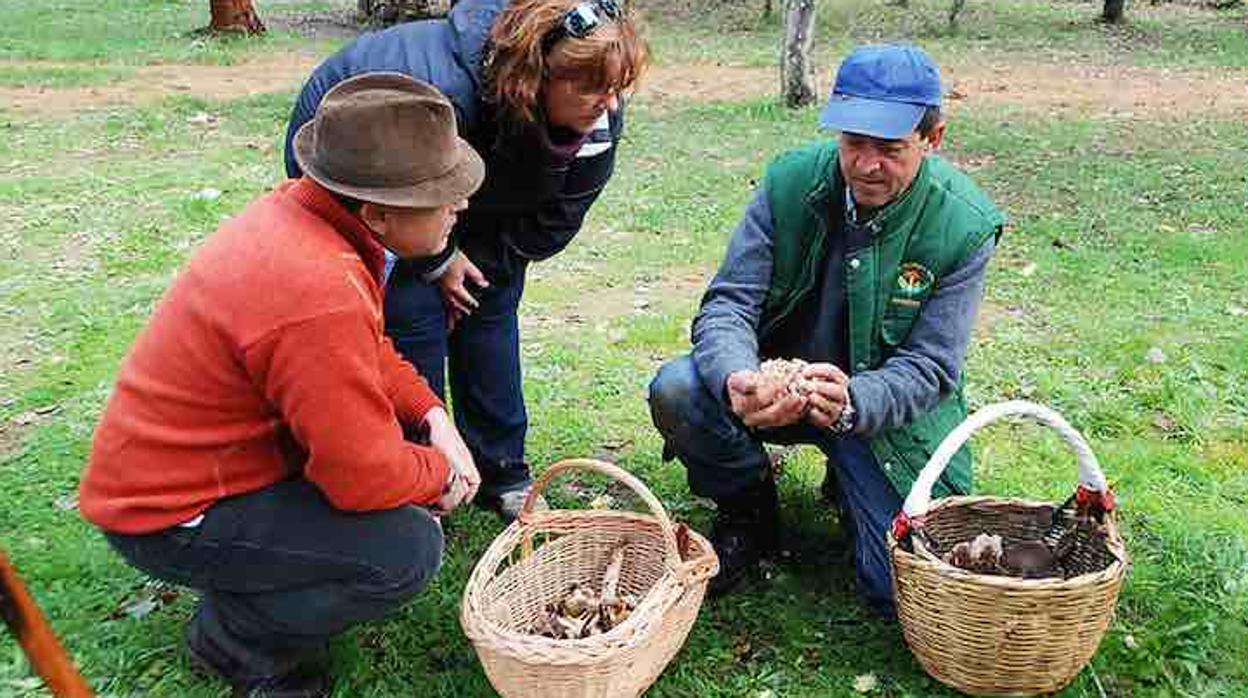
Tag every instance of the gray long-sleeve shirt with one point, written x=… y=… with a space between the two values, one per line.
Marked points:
x=913 y=379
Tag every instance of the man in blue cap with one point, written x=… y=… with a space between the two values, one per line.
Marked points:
x=864 y=257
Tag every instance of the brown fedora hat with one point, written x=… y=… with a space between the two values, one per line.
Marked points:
x=389 y=139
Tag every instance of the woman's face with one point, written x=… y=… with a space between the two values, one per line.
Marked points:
x=573 y=105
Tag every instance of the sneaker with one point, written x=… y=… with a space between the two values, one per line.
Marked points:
x=745 y=530
x=508 y=503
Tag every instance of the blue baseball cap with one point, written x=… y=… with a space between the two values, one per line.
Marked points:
x=882 y=91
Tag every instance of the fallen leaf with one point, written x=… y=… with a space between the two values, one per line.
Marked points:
x=865 y=683
x=32 y=416
x=139 y=608
x=742 y=649
x=29 y=683
x=1165 y=422
x=1155 y=356
x=146 y=599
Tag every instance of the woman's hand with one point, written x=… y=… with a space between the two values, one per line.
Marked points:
x=454 y=286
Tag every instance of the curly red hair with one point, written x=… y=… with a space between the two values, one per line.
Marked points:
x=612 y=58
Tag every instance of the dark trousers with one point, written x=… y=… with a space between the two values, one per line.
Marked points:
x=280 y=571
x=482 y=357
x=724 y=459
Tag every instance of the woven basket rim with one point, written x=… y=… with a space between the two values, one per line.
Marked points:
x=1113 y=542
x=623 y=635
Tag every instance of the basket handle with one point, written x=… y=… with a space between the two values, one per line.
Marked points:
x=618 y=474
x=1090 y=475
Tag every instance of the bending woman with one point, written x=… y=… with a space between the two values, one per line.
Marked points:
x=536 y=86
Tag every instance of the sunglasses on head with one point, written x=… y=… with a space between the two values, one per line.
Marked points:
x=583 y=20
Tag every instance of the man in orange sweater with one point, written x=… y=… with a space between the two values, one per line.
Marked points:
x=254 y=446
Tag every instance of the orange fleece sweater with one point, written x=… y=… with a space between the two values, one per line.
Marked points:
x=266 y=357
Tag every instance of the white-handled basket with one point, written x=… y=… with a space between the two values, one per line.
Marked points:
x=999 y=635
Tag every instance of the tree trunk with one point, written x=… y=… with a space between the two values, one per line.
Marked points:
x=1113 y=11
x=797 y=73
x=954 y=8
x=234 y=17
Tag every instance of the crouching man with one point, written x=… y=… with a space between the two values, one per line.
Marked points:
x=865 y=257
x=254 y=446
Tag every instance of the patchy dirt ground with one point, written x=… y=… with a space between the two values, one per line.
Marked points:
x=1047 y=88
x=602 y=304
x=11 y=437
x=151 y=83
x=1058 y=88
x=1051 y=88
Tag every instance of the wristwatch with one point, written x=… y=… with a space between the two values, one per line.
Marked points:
x=844 y=424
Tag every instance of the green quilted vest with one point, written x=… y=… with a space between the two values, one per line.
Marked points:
x=929 y=231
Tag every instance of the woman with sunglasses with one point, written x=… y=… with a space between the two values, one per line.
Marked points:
x=536 y=86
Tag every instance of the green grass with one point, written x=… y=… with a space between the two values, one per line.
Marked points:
x=139 y=31
x=1137 y=233
x=1165 y=35
x=34 y=75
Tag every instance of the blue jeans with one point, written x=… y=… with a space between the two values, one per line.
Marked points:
x=482 y=357
x=724 y=458
x=280 y=571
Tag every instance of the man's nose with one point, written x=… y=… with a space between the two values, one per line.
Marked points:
x=869 y=163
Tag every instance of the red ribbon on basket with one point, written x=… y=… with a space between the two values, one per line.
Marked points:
x=1094 y=502
x=903 y=525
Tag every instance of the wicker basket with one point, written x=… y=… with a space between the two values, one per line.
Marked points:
x=997 y=635
x=540 y=555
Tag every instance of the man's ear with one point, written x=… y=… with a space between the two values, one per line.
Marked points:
x=937 y=135
x=374 y=217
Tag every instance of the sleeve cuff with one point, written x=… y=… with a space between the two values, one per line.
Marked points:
x=440 y=268
x=439 y=473
x=412 y=406
x=715 y=376
x=869 y=399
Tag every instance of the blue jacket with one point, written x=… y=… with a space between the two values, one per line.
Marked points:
x=532 y=202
